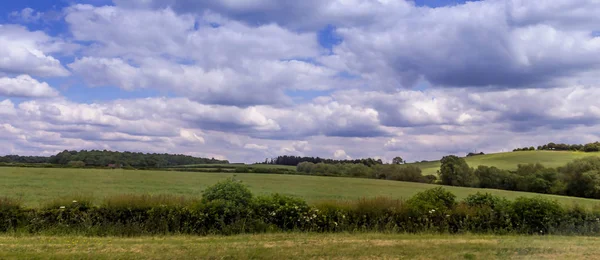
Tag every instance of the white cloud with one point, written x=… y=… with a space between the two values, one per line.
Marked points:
x=27 y=15
x=27 y=52
x=25 y=86
x=248 y=80
x=341 y=154
x=255 y=147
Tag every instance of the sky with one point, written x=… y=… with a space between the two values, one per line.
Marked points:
x=245 y=80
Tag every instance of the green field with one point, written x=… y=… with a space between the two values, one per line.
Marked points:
x=302 y=246
x=236 y=165
x=34 y=186
x=510 y=160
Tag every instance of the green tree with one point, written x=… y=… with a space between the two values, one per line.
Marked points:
x=456 y=172
x=398 y=160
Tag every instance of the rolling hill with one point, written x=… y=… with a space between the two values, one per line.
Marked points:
x=510 y=160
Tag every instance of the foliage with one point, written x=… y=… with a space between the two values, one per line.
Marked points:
x=230 y=190
x=536 y=215
x=105 y=158
x=456 y=172
x=396 y=172
x=432 y=210
x=589 y=147
x=397 y=160
x=295 y=160
x=583 y=177
x=436 y=198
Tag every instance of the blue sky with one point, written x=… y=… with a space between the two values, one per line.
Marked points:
x=329 y=78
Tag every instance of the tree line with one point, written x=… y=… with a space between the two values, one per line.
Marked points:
x=291 y=160
x=97 y=158
x=589 y=147
x=579 y=178
x=395 y=172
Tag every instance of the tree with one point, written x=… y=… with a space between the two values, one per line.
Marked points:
x=456 y=172
x=397 y=160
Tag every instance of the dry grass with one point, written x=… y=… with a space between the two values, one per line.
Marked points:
x=303 y=246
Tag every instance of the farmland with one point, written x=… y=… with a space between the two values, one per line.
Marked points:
x=35 y=186
x=510 y=160
x=302 y=246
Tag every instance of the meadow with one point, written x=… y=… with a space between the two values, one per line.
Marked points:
x=510 y=160
x=36 y=186
x=302 y=246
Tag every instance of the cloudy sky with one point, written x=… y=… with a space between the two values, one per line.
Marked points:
x=249 y=79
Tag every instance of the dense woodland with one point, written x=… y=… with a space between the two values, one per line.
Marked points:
x=97 y=158
x=295 y=160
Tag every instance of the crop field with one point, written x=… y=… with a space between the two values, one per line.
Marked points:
x=510 y=160
x=35 y=186
x=302 y=246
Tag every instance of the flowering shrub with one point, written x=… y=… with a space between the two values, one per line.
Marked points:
x=285 y=212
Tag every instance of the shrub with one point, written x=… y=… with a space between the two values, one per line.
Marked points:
x=10 y=214
x=305 y=167
x=76 y=164
x=536 y=215
x=230 y=190
x=434 y=198
x=285 y=212
x=485 y=200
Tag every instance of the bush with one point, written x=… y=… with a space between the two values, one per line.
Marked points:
x=230 y=190
x=10 y=214
x=433 y=199
x=485 y=200
x=285 y=212
x=536 y=215
x=434 y=210
x=76 y=164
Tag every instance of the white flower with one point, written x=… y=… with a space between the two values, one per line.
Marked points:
x=74 y=201
x=62 y=207
x=335 y=223
x=447 y=216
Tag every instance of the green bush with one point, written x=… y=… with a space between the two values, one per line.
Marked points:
x=230 y=190
x=536 y=215
x=436 y=199
x=10 y=214
x=230 y=209
x=287 y=213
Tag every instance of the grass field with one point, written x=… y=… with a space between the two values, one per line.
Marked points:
x=303 y=246
x=510 y=160
x=34 y=186
x=235 y=165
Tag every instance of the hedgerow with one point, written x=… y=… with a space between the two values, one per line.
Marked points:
x=230 y=208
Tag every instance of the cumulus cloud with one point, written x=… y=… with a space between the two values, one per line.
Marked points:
x=248 y=80
x=28 y=52
x=25 y=86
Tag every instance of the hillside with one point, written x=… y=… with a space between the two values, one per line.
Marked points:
x=510 y=160
x=35 y=186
